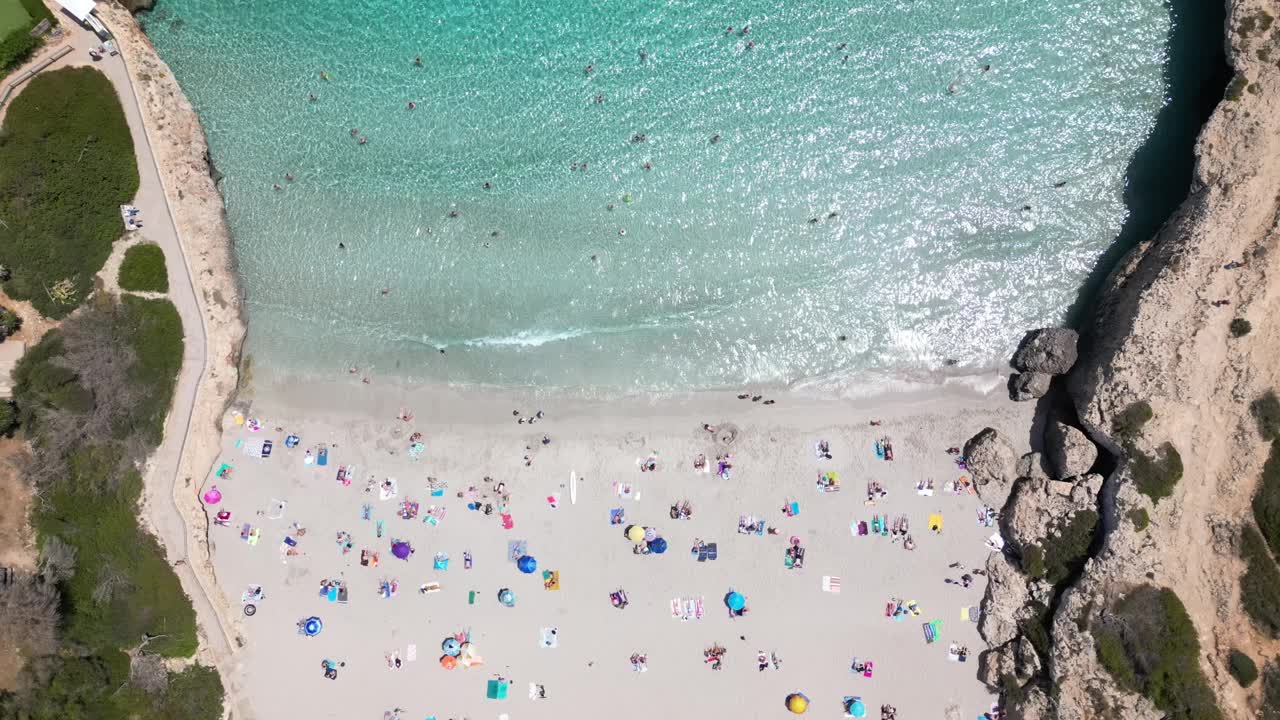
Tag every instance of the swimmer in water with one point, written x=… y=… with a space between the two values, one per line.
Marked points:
x=412 y=105
x=417 y=60
x=355 y=132
x=644 y=54
x=751 y=44
x=728 y=30
x=312 y=97
x=487 y=185
x=746 y=29
x=288 y=176
x=715 y=138
x=589 y=69
x=599 y=98
x=276 y=187
x=343 y=246
x=363 y=140
x=647 y=165
x=622 y=232
x=454 y=213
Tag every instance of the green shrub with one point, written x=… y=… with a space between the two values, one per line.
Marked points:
x=16 y=47
x=1127 y=426
x=1240 y=327
x=1115 y=659
x=1270 y=692
x=1242 y=668
x=1148 y=643
x=1066 y=549
x=143 y=269
x=1266 y=411
x=1140 y=519
x=1259 y=21
x=1235 y=90
x=10 y=323
x=66 y=165
x=8 y=417
x=1033 y=562
x=1156 y=476
x=1260 y=583
x=1266 y=499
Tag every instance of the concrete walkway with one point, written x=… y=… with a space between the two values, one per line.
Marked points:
x=159 y=227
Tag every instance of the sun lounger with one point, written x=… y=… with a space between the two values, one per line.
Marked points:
x=244 y=531
x=932 y=630
x=830 y=583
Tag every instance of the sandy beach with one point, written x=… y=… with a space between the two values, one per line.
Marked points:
x=468 y=437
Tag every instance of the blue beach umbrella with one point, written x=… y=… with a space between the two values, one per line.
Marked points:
x=856 y=708
x=658 y=546
x=451 y=647
x=735 y=601
x=312 y=626
x=506 y=597
x=527 y=564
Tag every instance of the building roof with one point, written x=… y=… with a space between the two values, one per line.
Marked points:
x=79 y=9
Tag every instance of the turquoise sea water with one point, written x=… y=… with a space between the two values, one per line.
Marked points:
x=914 y=133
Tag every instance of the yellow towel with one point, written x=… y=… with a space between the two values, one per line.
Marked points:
x=935 y=522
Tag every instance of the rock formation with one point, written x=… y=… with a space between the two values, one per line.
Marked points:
x=1158 y=334
x=993 y=464
x=1042 y=354
x=1068 y=451
x=1051 y=351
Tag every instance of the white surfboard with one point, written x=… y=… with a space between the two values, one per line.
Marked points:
x=573 y=487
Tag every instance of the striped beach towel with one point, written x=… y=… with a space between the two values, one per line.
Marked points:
x=830 y=583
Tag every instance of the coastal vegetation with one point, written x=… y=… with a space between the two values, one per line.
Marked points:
x=1260 y=584
x=1266 y=499
x=1140 y=519
x=1266 y=412
x=66 y=165
x=1156 y=475
x=1148 y=644
x=143 y=269
x=1127 y=425
x=8 y=418
x=1064 y=551
x=1240 y=327
x=1270 y=692
x=93 y=396
x=17 y=19
x=1242 y=668
x=1235 y=89
x=10 y=323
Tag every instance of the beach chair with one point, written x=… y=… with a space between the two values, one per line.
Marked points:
x=830 y=583
x=245 y=530
x=266 y=448
x=708 y=551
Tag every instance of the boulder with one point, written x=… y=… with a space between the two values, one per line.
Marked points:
x=1028 y=386
x=1031 y=466
x=1048 y=350
x=1068 y=451
x=1028 y=660
x=993 y=465
x=1003 y=604
x=995 y=663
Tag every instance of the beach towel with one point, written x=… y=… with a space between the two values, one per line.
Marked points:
x=549 y=637
x=616 y=516
x=517 y=549
x=995 y=542
x=224 y=470
x=389 y=489
x=244 y=531
x=507 y=522
x=626 y=491
x=496 y=690
x=830 y=583
x=255 y=536
x=411 y=653
x=277 y=509
x=322 y=458
x=332 y=593
x=935 y=522
x=252 y=448
x=932 y=630
x=551 y=579
x=553 y=500
x=428 y=588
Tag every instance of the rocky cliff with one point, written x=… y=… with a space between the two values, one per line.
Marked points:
x=1161 y=335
